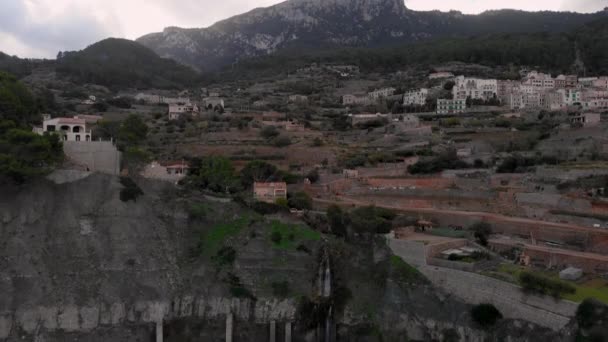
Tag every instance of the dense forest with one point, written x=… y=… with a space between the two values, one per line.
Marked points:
x=120 y=63
x=554 y=52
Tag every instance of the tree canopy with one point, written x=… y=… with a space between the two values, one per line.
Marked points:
x=23 y=153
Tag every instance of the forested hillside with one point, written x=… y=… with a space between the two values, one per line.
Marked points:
x=555 y=52
x=123 y=63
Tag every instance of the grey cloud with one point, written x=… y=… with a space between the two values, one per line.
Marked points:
x=584 y=5
x=72 y=30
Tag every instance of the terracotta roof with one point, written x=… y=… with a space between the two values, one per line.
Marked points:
x=270 y=185
x=183 y=164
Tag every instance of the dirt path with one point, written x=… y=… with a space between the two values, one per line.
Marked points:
x=342 y=200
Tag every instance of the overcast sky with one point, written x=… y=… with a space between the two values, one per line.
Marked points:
x=41 y=28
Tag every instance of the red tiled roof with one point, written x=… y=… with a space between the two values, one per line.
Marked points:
x=183 y=164
x=270 y=185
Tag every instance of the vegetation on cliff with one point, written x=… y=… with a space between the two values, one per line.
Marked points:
x=23 y=153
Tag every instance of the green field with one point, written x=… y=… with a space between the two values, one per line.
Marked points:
x=291 y=235
x=211 y=242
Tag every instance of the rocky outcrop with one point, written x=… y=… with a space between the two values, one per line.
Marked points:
x=307 y=24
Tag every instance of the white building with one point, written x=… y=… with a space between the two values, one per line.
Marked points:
x=539 y=80
x=90 y=100
x=455 y=106
x=601 y=82
x=171 y=171
x=415 y=97
x=587 y=81
x=474 y=88
x=177 y=110
x=213 y=102
x=298 y=98
x=515 y=100
x=440 y=75
x=566 y=81
x=69 y=129
x=571 y=96
x=380 y=93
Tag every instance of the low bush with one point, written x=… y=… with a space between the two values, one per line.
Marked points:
x=540 y=284
x=280 y=289
x=486 y=315
x=130 y=191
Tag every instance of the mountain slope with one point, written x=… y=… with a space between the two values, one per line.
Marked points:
x=560 y=52
x=306 y=24
x=123 y=63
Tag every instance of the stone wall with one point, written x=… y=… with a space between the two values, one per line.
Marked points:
x=474 y=288
x=99 y=156
x=71 y=318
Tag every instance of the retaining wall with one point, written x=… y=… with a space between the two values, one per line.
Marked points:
x=99 y=156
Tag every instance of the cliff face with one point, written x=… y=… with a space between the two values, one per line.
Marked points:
x=77 y=262
x=313 y=24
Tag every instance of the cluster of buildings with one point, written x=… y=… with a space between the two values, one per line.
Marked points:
x=181 y=105
x=535 y=91
x=542 y=91
x=160 y=99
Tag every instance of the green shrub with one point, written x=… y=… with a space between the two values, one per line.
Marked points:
x=544 y=285
x=130 y=191
x=197 y=211
x=225 y=256
x=276 y=237
x=481 y=231
x=264 y=208
x=281 y=141
x=301 y=201
x=486 y=315
x=280 y=289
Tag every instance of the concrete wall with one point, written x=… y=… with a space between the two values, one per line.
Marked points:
x=474 y=288
x=99 y=156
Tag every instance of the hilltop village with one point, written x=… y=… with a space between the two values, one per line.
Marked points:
x=491 y=184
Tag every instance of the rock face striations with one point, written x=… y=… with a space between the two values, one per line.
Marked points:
x=308 y=24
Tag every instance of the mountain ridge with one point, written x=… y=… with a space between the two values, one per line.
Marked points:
x=339 y=23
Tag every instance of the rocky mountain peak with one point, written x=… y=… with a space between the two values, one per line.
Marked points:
x=313 y=24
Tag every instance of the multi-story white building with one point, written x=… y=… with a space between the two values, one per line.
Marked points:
x=539 y=80
x=553 y=100
x=455 y=106
x=571 y=96
x=474 y=88
x=566 y=81
x=69 y=129
x=601 y=82
x=415 y=97
x=587 y=81
x=515 y=100
x=379 y=93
